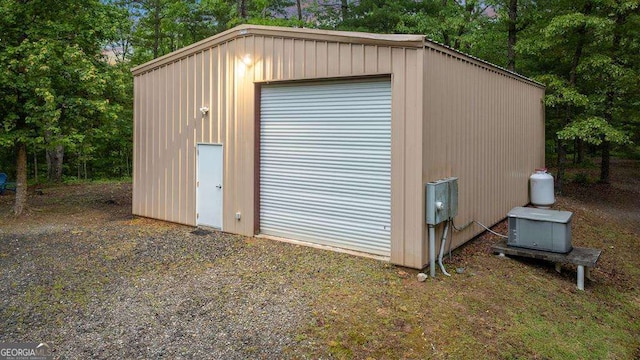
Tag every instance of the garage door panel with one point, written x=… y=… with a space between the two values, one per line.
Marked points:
x=325 y=152
x=310 y=120
x=332 y=201
x=347 y=170
x=321 y=90
x=316 y=232
x=363 y=102
x=313 y=236
x=335 y=182
x=375 y=212
x=330 y=218
x=335 y=186
x=328 y=113
x=335 y=221
x=376 y=187
x=325 y=163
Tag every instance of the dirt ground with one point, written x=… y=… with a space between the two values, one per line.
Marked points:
x=619 y=200
x=80 y=272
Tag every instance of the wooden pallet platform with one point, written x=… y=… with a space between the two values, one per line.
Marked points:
x=580 y=256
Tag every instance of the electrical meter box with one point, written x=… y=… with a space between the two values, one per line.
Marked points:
x=441 y=198
x=540 y=229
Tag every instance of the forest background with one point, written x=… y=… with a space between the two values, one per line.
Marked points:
x=66 y=90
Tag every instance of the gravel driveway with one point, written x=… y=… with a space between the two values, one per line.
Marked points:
x=118 y=287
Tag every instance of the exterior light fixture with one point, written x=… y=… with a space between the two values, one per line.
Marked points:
x=247 y=60
x=204 y=110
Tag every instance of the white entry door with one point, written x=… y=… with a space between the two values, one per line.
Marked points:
x=209 y=186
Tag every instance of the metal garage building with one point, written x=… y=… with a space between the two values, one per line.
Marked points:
x=328 y=137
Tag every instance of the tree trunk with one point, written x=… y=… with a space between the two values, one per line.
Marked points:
x=55 y=159
x=445 y=39
x=35 y=165
x=299 y=7
x=344 y=7
x=126 y=164
x=577 y=56
x=156 y=29
x=611 y=96
x=512 y=32
x=606 y=157
x=243 y=9
x=580 y=149
x=21 y=179
x=562 y=160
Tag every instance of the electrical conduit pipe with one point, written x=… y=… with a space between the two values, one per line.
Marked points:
x=443 y=241
x=432 y=251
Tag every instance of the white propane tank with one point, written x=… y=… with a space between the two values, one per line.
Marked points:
x=542 y=194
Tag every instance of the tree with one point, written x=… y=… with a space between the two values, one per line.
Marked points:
x=617 y=76
x=583 y=51
x=500 y=35
x=453 y=23
x=163 y=26
x=557 y=43
x=299 y=9
x=149 y=33
x=121 y=14
x=52 y=84
x=378 y=16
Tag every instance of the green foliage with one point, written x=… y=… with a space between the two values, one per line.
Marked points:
x=587 y=53
x=560 y=93
x=57 y=89
x=453 y=23
x=581 y=178
x=555 y=31
x=163 y=26
x=593 y=130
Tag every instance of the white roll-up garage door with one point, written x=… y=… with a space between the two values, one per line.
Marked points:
x=325 y=163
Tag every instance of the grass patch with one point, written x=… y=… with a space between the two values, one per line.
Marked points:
x=498 y=308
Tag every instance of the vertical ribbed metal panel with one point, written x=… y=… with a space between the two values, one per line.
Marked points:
x=486 y=128
x=325 y=163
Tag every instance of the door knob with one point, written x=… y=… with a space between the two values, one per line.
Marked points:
x=219 y=186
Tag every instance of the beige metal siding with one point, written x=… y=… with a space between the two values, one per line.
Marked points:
x=406 y=157
x=168 y=99
x=486 y=128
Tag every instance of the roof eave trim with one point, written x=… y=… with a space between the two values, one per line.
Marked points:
x=477 y=61
x=180 y=53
